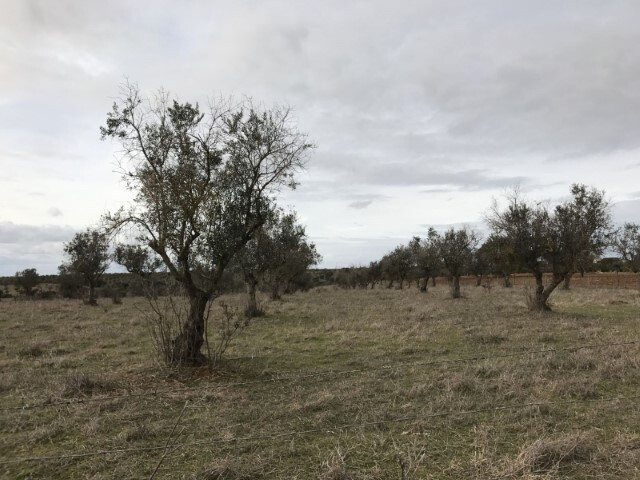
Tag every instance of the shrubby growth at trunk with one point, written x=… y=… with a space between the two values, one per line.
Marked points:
x=204 y=183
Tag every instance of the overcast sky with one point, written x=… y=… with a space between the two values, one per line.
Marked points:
x=422 y=111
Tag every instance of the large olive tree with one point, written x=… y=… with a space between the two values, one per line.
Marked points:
x=204 y=183
x=543 y=239
x=584 y=228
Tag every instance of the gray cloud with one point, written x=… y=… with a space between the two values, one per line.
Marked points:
x=45 y=265
x=11 y=233
x=360 y=204
x=32 y=246
x=354 y=251
x=627 y=211
x=54 y=212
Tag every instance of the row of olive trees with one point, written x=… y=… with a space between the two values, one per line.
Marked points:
x=525 y=237
x=423 y=259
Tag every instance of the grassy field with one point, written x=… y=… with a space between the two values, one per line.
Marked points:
x=330 y=384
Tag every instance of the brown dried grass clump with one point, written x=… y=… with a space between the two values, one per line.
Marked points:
x=335 y=467
x=553 y=455
x=233 y=470
x=82 y=385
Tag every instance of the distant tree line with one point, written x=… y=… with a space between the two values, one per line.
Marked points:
x=525 y=237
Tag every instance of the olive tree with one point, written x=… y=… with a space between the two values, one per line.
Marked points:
x=141 y=262
x=26 y=282
x=457 y=249
x=204 y=183
x=497 y=254
x=541 y=238
x=373 y=273
x=397 y=264
x=269 y=252
x=426 y=257
x=87 y=256
x=627 y=245
x=584 y=228
x=136 y=259
x=296 y=258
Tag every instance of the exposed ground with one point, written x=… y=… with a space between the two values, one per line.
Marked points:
x=380 y=384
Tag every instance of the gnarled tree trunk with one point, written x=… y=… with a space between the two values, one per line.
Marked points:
x=186 y=346
x=538 y=301
x=423 y=284
x=275 y=292
x=566 y=285
x=92 y=295
x=454 y=283
x=252 y=304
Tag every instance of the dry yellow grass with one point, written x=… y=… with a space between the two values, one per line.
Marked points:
x=378 y=356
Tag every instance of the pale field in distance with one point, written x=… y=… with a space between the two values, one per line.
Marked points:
x=380 y=382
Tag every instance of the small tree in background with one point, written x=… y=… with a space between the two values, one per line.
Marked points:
x=426 y=257
x=497 y=253
x=295 y=259
x=480 y=266
x=627 y=245
x=457 y=248
x=136 y=259
x=88 y=256
x=26 y=282
x=269 y=252
x=397 y=265
x=374 y=273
